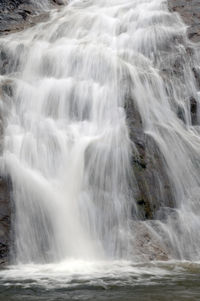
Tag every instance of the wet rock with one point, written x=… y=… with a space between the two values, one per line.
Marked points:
x=11 y=16
x=149 y=166
x=5 y=219
x=5 y=186
x=7 y=62
x=149 y=169
x=193 y=110
x=145 y=244
x=196 y=72
x=16 y=15
x=58 y=2
x=189 y=10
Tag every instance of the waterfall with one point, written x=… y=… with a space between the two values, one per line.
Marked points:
x=67 y=145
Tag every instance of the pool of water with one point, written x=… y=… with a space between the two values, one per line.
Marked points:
x=109 y=281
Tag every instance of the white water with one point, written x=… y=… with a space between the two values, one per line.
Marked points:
x=67 y=147
x=76 y=274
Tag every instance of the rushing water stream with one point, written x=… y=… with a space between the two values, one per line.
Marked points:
x=68 y=152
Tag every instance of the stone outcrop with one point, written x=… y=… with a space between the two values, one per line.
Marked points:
x=148 y=167
x=145 y=245
x=18 y=14
x=190 y=13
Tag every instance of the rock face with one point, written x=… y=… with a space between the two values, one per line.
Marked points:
x=154 y=187
x=145 y=245
x=148 y=167
x=5 y=188
x=18 y=14
x=5 y=219
x=190 y=13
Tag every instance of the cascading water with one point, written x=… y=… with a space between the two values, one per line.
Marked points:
x=66 y=140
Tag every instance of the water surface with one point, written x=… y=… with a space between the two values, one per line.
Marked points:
x=116 y=281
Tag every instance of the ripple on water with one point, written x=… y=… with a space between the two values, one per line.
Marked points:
x=118 y=280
